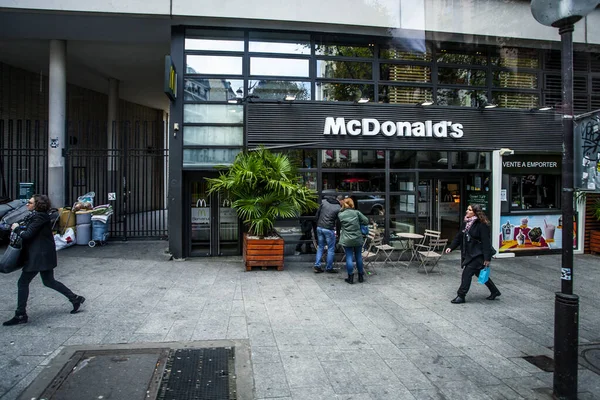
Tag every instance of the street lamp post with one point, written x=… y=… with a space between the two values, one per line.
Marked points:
x=563 y=14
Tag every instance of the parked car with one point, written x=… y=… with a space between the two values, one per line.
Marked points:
x=369 y=204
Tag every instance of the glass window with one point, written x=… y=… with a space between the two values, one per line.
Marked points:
x=402 y=203
x=507 y=79
x=452 y=57
x=402 y=181
x=343 y=91
x=214 y=44
x=344 y=51
x=461 y=97
x=405 y=73
x=278 y=89
x=208 y=157
x=462 y=76
x=309 y=179
x=534 y=191
x=470 y=160
x=353 y=158
x=432 y=159
x=515 y=99
x=278 y=66
x=401 y=54
x=402 y=159
x=400 y=225
x=213 y=113
x=344 y=70
x=515 y=57
x=216 y=65
x=351 y=181
x=279 y=43
x=302 y=158
x=213 y=135
x=404 y=95
x=200 y=89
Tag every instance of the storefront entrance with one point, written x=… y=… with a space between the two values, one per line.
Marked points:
x=440 y=205
x=213 y=228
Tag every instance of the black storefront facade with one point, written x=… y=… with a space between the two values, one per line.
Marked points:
x=366 y=132
x=409 y=168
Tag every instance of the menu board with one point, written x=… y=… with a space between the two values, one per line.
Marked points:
x=478 y=197
x=531 y=232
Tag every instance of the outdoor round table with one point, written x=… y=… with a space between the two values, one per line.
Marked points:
x=410 y=238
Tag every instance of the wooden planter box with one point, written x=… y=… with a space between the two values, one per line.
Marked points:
x=595 y=242
x=263 y=252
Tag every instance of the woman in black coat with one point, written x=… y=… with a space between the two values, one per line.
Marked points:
x=475 y=251
x=38 y=255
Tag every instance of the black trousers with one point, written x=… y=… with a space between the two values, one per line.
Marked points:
x=467 y=276
x=48 y=281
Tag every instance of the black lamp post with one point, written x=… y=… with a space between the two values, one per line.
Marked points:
x=563 y=14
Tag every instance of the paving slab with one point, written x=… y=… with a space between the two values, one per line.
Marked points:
x=310 y=336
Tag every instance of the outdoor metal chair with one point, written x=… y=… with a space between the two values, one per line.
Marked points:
x=424 y=244
x=433 y=254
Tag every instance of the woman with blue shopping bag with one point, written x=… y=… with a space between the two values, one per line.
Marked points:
x=475 y=250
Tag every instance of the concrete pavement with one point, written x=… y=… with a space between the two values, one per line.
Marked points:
x=313 y=336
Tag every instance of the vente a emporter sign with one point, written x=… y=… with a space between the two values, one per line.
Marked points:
x=373 y=127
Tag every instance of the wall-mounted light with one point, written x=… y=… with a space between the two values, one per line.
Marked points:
x=362 y=100
x=506 y=152
x=239 y=92
x=234 y=101
x=488 y=106
x=289 y=97
x=545 y=108
x=425 y=103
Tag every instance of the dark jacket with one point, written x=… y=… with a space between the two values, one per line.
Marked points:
x=39 y=251
x=327 y=213
x=351 y=221
x=476 y=247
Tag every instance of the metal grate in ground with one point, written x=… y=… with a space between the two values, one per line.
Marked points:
x=199 y=374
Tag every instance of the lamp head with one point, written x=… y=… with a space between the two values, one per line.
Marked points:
x=559 y=13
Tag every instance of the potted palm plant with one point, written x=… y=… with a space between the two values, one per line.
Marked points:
x=263 y=187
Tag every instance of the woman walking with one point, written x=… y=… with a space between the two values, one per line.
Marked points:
x=475 y=251
x=38 y=255
x=351 y=238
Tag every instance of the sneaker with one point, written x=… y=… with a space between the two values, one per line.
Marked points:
x=332 y=271
x=77 y=302
x=16 y=320
x=318 y=270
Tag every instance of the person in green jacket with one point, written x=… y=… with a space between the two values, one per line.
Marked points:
x=351 y=238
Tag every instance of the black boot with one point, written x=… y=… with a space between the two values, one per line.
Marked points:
x=16 y=320
x=458 y=300
x=361 y=278
x=77 y=302
x=350 y=279
x=493 y=295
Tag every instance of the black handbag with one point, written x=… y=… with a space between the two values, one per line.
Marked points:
x=10 y=260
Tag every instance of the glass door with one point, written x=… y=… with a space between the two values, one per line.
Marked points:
x=440 y=206
x=213 y=228
x=449 y=211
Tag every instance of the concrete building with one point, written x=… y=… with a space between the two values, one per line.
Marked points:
x=83 y=89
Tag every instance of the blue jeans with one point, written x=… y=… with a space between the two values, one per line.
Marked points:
x=325 y=237
x=351 y=254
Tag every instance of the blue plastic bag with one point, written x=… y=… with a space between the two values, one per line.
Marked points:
x=364 y=229
x=484 y=275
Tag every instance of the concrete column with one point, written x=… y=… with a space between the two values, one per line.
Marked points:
x=113 y=118
x=57 y=112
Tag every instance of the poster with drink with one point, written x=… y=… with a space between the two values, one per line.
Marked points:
x=531 y=232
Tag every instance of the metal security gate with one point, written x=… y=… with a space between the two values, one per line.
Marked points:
x=23 y=156
x=127 y=169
